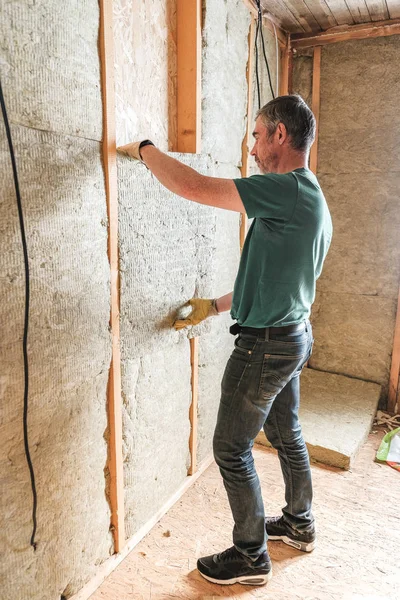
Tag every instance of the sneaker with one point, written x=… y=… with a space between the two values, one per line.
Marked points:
x=231 y=566
x=278 y=529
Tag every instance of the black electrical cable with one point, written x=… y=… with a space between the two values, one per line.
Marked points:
x=259 y=28
x=257 y=75
x=26 y=322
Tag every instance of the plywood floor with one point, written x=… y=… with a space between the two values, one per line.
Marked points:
x=357 y=558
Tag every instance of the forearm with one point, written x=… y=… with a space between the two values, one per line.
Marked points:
x=188 y=183
x=224 y=303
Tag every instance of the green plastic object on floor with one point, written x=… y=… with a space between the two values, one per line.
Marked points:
x=389 y=450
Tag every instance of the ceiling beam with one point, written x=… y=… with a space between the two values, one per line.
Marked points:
x=343 y=34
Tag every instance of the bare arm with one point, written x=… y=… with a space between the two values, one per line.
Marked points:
x=188 y=183
x=224 y=303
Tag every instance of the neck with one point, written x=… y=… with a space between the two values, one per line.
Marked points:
x=291 y=161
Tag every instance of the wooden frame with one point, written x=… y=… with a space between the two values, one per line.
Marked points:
x=188 y=31
x=285 y=83
x=342 y=34
x=194 y=361
x=247 y=138
x=393 y=395
x=189 y=140
x=316 y=94
x=115 y=459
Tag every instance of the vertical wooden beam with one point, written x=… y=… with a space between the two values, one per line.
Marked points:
x=284 y=71
x=247 y=140
x=188 y=31
x=316 y=94
x=194 y=361
x=393 y=396
x=115 y=462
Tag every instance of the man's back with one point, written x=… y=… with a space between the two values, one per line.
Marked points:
x=284 y=250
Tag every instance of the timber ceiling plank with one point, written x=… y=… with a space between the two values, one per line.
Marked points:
x=322 y=13
x=340 y=11
x=286 y=19
x=303 y=14
x=393 y=8
x=359 y=11
x=378 y=10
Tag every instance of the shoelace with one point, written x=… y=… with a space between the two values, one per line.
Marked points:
x=227 y=555
x=273 y=519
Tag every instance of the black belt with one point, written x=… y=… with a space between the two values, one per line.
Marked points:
x=236 y=328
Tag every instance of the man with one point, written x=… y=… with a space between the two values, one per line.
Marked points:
x=273 y=293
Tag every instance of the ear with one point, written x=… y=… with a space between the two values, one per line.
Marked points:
x=281 y=133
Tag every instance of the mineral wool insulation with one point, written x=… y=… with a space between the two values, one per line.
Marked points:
x=169 y=252
x=171 y=249
x=51 y=81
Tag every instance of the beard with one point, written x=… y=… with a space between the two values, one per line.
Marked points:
x=268 y=164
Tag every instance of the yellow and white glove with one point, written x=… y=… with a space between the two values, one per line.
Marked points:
x=133 y=150
x=201 y=309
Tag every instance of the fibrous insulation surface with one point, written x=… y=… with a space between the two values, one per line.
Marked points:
x=50 y=65
x=170 y=250
x=51 y=81
x=145 y=70
x=62 y=188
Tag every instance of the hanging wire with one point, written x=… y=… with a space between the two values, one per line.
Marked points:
x=26 y=322
x=257 y=75
x=277 y=59
x=263 y=47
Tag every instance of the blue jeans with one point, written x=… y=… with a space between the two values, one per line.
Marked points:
x=260 y=388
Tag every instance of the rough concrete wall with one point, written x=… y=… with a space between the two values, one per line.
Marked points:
x=50 y=76
x=145 y=70
x=358 y=169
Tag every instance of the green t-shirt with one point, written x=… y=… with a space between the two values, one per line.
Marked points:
x=284 y=249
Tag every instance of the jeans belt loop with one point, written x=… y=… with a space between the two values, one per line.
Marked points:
x=266 y=338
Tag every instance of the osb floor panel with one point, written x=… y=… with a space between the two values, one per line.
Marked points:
x=357 y=557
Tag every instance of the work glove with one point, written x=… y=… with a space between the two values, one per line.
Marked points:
x=201 y=309
x=133 y=150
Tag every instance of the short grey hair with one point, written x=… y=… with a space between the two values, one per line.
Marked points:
x=296 y=116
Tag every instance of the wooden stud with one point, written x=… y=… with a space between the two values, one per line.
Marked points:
x=286 y=60
x=246 y=143
x=189 y=140
x=344 y=33
x=316 y=89
x=115 y=460
x=188 y=31
x=194 y=361
x=393 y=396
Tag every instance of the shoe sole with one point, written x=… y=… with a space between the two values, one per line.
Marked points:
x=303 y=546
x=244 y=580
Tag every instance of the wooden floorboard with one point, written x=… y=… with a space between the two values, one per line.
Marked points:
x=358 y=549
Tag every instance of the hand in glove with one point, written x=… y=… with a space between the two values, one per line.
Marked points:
x=133 y=150
x=201 y=309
